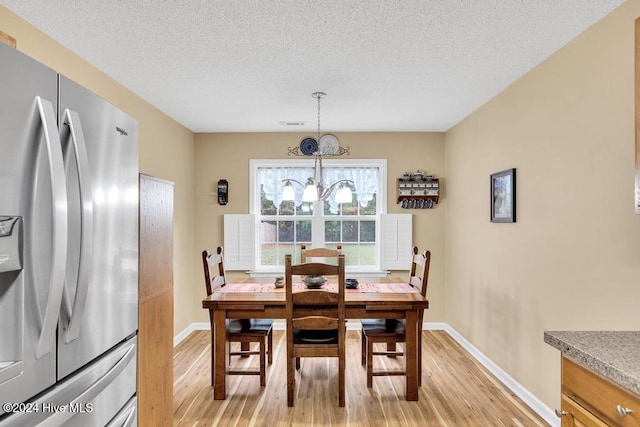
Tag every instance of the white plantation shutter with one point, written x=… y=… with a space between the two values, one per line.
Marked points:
x=239 y=241
x=395 y=241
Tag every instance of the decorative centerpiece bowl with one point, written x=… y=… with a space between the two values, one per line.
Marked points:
x=350 y=283
x=314 y=281
x=279 y=282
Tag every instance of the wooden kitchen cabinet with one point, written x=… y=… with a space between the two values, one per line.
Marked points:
x=593 y=401
x=155 y=313
x=7 y=39
x=574 y=415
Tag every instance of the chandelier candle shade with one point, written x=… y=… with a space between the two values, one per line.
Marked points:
x=315 y=188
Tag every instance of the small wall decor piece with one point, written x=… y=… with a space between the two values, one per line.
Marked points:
x=418 y=191
x=503 y=196
x=223 y=192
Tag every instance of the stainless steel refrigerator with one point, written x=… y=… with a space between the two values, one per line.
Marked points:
x=68 y=251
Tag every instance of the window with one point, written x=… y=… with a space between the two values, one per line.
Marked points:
x=281 y=226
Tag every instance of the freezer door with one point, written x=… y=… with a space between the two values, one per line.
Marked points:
x=128 y=415
x=100 y=301
x=31 y=189
x=94 y=396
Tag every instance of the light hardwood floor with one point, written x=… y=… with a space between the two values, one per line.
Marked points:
x=456 y=391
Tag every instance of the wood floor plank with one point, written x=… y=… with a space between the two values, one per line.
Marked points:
x=456 y=390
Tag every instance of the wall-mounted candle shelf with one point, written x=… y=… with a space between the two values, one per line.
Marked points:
x=418 y=193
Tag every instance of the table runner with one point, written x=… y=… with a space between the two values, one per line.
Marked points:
x=400 y=288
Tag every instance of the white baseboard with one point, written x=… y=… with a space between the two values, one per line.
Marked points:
x=202 y=326
x=527 y=397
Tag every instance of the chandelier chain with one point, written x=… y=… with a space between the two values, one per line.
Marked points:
x=318 y=96
x=319 y=119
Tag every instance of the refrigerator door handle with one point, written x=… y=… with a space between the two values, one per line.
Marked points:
x=72 y=119
x=128 y=415
x=59 y=245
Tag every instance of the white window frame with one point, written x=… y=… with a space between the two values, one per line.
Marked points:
x=381 y=204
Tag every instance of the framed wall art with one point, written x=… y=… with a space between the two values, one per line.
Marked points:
x=503 y=196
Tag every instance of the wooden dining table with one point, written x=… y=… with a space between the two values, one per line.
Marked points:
x=375 y=298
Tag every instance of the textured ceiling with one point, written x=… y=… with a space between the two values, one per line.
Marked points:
x=247 y=65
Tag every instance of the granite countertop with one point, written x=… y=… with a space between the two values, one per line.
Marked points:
x=614 y=355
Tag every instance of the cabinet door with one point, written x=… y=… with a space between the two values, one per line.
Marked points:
x=156 y=237
x=577 y=416
x=602 y=397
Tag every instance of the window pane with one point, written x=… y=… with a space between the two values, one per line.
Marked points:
x=360 y=254
x=370 y=207
x=287 y=208
x=304 y=209
x=295 y=259
x=349 y=231
x=368 y=231
x=332 y=231
x=303 y=231
x=367 y=254
x=267 y=207
x=330 y=210
x=282 y=251
x=273 y=254
x=268 y=231
x=350 y=208
x=350 y=254
x=285 y=231
x=268 y=254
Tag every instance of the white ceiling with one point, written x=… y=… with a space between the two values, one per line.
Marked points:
x=247 y=65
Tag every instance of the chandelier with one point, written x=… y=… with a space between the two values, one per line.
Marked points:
x=315 y=188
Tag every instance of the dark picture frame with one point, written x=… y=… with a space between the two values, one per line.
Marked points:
x=503 y=196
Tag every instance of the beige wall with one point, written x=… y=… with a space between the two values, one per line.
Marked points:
x=572 y=260
x=166 y=147
x=227 y=156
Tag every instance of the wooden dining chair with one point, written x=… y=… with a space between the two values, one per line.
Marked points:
x=315 y=321
x=243 y=331
x=392 y=331
x=319 y=252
